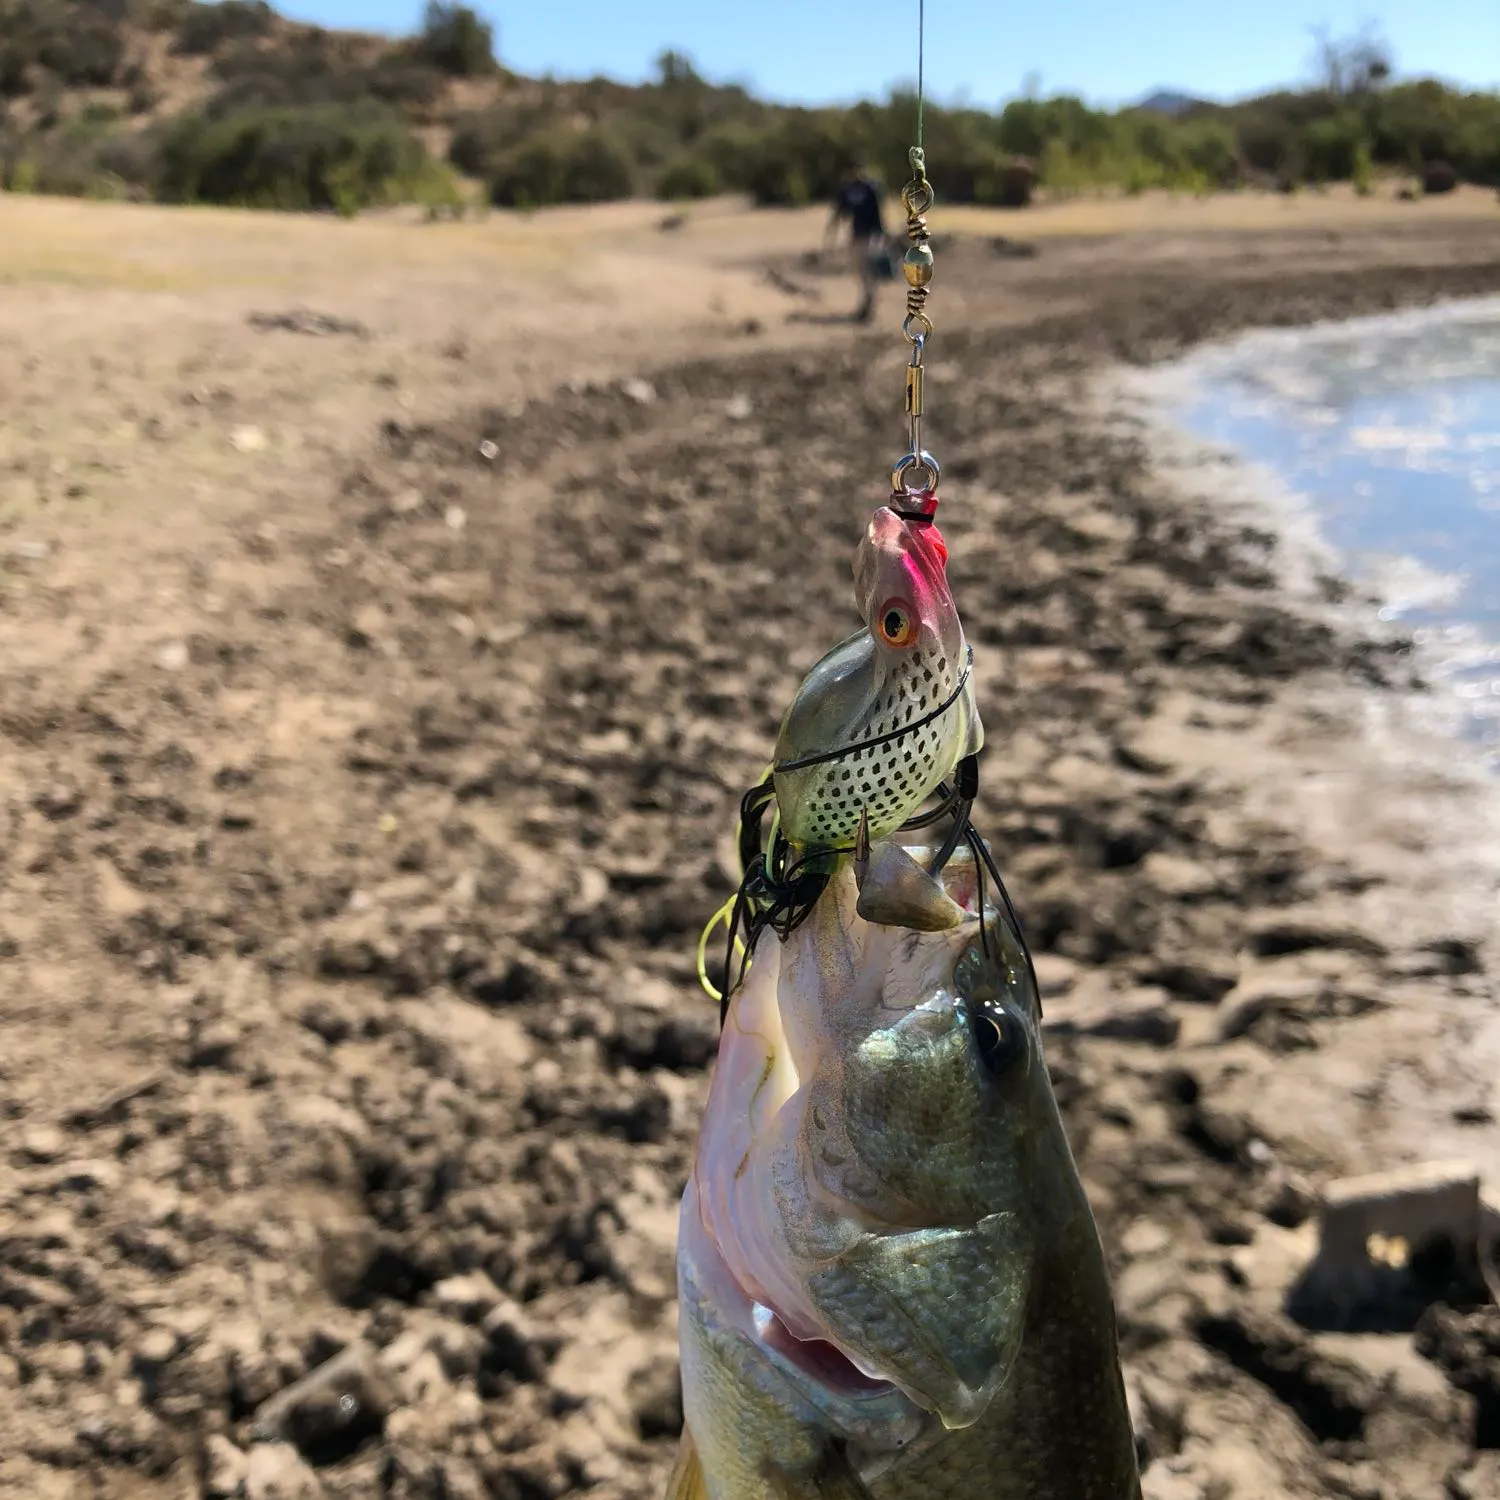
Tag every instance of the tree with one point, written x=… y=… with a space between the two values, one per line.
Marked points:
x=1351 y=66
x=675 y=69
x=457 y=40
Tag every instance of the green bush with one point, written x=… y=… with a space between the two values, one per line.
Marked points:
x=319 y=157
x=798 y=160
x=77 y=46
x=1363 y=175
x=588 y=167
x=456 y=40
x=1209 y=149
x=530 y=176
x=1330 y=148
x=689 y=177
x=205 y=27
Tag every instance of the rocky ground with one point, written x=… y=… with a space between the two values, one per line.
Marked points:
x=352 y=1053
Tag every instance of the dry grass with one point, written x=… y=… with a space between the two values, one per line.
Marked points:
x=161 y=249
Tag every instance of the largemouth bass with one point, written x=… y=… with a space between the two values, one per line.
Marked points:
x=888 y=713
x=890 y=1282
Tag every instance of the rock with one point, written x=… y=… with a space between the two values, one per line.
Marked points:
x=467 y=1298
x=1466 y=1347
x=1156 y=1415
x=1290 y=1200
x=654 y=1395
x=639 y=391
x=225 y=1468
x=513 y=1345
x=275 y=1471
x=1143 y=1015
x=43 y=1143
x=1479 y=1479
x=1202 y=981
x=1273 y=934
x=88 y=1175
x=1330 y=1395
x=333 y=1409
x=154 y=1350
x=1179 y=878
x=1255 y=997
x=1145 y=1238
x=1155 y=1299
x=1372 y=1229
x=1162 y=1483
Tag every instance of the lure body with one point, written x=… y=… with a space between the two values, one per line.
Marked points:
x=882 y=720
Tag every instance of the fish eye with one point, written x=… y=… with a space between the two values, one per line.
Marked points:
x=896 y=623
x=999 y=1036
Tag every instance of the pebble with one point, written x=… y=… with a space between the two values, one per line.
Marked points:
x=225 y=1468
x=467 y=1298
x=275 y=1471
x=1248 y=1001
x=44 y=1143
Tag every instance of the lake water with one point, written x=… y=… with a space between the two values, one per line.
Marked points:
x=1385 y=432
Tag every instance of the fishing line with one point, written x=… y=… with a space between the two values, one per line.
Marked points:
x=921 y=48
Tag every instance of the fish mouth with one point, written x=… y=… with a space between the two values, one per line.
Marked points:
x=820 y=1360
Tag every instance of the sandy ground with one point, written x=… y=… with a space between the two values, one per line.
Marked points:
x=375 y=694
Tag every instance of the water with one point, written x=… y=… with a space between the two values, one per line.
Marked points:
x=1387 y=430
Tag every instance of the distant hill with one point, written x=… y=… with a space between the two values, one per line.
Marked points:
x=229 y=102
x=1169 y=102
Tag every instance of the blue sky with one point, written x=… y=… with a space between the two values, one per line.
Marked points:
x=813 y=51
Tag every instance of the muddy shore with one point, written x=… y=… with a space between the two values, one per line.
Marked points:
x=347 y=1012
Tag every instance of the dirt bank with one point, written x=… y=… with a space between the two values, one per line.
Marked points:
x=346 y=929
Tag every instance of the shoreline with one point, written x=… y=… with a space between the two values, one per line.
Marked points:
x=388 y=883
x=1426 y=722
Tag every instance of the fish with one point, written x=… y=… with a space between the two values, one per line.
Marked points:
x=890 y=1281
x=884 y=717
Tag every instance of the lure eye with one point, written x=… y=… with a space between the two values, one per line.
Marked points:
x=999 y=1037
x=896 y=624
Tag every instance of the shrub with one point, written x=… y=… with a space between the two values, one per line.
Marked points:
x=1330 y=148
x=1438 y=177
x=689 y=177
x=1209 y=149
x=205 y=27
x=1363 y=176
x=557 y=168
x=405 y=81
x=530 y=176
x=84 y=51
x=319 y=157
x=456 y=40
x=1014 y=184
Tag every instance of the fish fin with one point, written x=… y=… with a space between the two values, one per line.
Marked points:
x=833 y=1479
x=687 y=1481
x=897 y=892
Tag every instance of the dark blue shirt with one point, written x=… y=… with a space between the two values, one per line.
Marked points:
x=859 y=202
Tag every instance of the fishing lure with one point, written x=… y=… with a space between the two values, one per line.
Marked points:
x=883 y=723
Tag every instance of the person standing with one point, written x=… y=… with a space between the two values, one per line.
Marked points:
x=858 y=201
